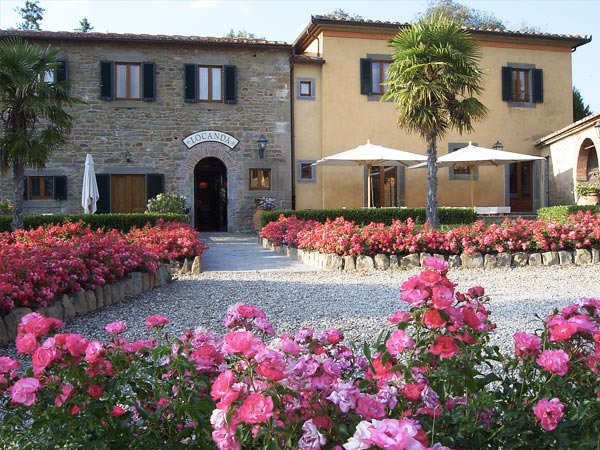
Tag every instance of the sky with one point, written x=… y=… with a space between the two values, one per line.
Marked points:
x=284 y=20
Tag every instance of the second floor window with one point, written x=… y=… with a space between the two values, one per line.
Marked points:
x=217 y=84
x=127 y=81
x=522 y=85
x=373 y=73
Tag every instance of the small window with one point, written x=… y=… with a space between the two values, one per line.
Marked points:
x=216 y=84
x=522 y=85
x=127 y=81
x=306 y=171
x=260 y=180
x=210 y=85
x=458 y=171
x=305 y=88
x=379 y=76
x=45 y=187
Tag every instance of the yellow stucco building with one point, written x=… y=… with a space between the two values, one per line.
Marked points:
x=337 y=70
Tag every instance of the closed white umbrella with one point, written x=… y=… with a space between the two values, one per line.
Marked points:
x=472 y=156
x=89 y=193
x=369 y=155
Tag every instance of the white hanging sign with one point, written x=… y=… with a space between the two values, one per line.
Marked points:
x=210 y=136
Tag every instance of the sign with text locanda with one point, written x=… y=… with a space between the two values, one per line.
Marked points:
x=210 y=136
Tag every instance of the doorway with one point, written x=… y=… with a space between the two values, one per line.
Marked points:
x=521 y=186
x=210 y=195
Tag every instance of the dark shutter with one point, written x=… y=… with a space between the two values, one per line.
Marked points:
x=62 y=73
x=106 y=80
x=506 y=84
x=538 y=86
x=190 y=80
x=25 y=192
x=103 y=203
x=148 y=82
x=230 y=75
x=154 y=185
x=366 y=76
x=60 y=187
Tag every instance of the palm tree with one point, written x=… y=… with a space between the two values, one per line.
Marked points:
x=432 y=79
x=33 y=121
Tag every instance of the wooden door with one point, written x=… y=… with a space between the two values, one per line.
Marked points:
x=521 y=186
x=128 y=193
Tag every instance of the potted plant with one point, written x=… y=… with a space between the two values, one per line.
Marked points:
x=588 y=193
x=262 y=204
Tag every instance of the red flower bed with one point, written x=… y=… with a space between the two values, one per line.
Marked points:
x=344 y=238
x=39 y=265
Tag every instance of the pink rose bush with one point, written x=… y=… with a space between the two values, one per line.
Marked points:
x=341 y=237
x=43 y=264
x=431 y=380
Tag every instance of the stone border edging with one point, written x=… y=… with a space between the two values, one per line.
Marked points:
x=83 y=302
x=475 y=261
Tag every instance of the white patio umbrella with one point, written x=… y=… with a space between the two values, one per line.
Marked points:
x=473 y=156
x=89 y=193
x=369 y=155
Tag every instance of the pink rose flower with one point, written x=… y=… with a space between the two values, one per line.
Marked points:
x=398 y=342
x=256 y=409
x=444 y=347
x=433 y=319
x=95 y=390
x=436 y=264
x=94 y=351
x=42 y=358
x=370 y=408
x=115 y=327
x=26 y=343
x=223 y=390
x=23 y=391
x=240 y=342
x=395 y=434
x=76 y=344
x=156 y=321
x=561 y=329
x=549 y=413
x=554 y=361
x=117 y=411
x=527 y=344
x=442 y=297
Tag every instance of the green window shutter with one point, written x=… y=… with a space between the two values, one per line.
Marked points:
x=506 y=84
x=62 y=73
x=366 y=76
x=25 y=192
x=538 y=86
x=230 y=76
x=148 y=81
x=60 y=187
x=103 y=203
x=106 y=80
x=191 y=81
x=155 y=183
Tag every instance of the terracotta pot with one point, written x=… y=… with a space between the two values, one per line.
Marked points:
x=590 y=199
x=256 y=219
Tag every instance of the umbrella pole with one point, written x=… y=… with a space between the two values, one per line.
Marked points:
x=472 y=170
x=369 y=186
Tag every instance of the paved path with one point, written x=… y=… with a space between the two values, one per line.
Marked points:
x=229 y=252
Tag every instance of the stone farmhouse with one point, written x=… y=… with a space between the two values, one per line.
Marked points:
x=223 y=121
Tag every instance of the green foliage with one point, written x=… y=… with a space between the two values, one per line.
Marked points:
x=166 y=202
x=121 y=222
x=241 y=34
x=5 y=207
x=365 y=216
x=340 y=14
x=32 y=15
x=84 y=26
x=461 y=15
x=580 y=109
x=561 y=212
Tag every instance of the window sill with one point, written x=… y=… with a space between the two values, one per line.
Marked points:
x=521 y=104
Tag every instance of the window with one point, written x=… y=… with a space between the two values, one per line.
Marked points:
x=127 y=81
x=306 y=171
x=522 y=84
x=45 y=188
x=260 y=180
x=217 y=84
x=58 y=74
x=305 y=88
x=373 y=73
x=458 y=171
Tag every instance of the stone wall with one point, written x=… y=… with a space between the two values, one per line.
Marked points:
x=153 y=132
x=475 y=261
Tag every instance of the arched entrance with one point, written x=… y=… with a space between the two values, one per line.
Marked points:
x=587 y=161
x=210 y=195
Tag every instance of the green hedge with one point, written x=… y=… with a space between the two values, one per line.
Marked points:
x=121 y=222
x=364 y=216
x=561 y=212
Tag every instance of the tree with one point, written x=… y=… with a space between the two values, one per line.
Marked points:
x=33 y=123
x=32 y=15
x=240 y=34
x=432 y=79
x=340 y=14
x=580 y=109
x=84 y=26
x=461 y=15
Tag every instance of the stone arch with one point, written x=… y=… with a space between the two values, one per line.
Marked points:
x=587 y=160
x=234 y=176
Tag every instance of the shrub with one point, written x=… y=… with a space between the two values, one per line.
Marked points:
x=166 y=202
x=561 y=212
